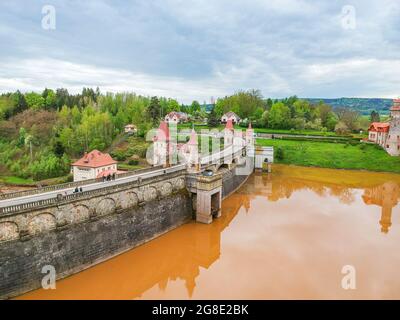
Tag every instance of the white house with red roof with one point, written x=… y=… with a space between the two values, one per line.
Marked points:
x=176 y=117
x=94 y=164
x=378 y=132
x=387 y=134
x=230 y=116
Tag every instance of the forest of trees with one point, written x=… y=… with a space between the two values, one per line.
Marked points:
x=291 y=113
x=41 y=132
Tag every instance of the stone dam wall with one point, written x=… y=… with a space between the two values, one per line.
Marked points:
x=75 y=235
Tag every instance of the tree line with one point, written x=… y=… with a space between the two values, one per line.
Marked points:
x=41 y=132
x=290 y=113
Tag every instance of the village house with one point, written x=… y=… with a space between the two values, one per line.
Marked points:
x=130 y=129
x=230 y=116
x=94 y=164
x=176 y=117
x=387 y=134
x=378 y=132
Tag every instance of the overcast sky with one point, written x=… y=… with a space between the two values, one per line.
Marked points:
x=198 y=49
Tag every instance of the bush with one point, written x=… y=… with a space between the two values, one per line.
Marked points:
x=279 y=154
x=119 y=155
x=377 y=146
x=138 y=149
x=133 y=162
x=354 y=142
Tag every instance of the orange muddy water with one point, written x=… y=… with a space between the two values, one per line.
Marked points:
x=286 y=235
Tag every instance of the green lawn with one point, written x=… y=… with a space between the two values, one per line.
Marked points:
x=125 y=166
x=12 y=180
x=296 y=132
x=16 y=180
x=199 y=126
x=334 y=155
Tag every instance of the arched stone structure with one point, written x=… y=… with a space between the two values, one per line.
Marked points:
x=8 y=231
x=128 y=199
x=41 y=222
x=150 y=194
x=78 y=214
x=105 y=206
x=179 y=184
x=166 y=189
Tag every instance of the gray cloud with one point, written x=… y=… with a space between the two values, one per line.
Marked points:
x=195 y=49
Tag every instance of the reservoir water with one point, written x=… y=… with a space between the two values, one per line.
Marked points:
x=287 y=235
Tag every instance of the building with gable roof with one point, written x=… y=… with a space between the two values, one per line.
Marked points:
x=176 y=117
x=230 y=116
x=387 y=134
x=94 y=164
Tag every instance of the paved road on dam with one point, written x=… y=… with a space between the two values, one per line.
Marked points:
x=87 y=187
x=46 y=195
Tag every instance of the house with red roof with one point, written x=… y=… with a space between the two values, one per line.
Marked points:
x=94 y=164
x=378 y=131
x=230 y=116
x=387 y=134
x=176 y=117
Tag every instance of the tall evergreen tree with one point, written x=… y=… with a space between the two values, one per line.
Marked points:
x=212 y=118
x=375 y=117
x=154 y=110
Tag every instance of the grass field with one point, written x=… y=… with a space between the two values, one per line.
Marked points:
x=198 y=128
x=296 y=132
x=16 y=180
x=125 y=166
x=334 y=155
x=12 y=180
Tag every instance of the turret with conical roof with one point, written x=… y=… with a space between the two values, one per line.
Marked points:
x=228 y=133
x=193 y=151
x=249 y=135
x=161 y=145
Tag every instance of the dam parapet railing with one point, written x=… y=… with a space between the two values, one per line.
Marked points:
x=68 y=185
x=63 y=199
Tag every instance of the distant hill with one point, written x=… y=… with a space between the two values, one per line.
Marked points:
x=362 y=105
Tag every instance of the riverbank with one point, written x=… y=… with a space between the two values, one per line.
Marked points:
x=333 y=155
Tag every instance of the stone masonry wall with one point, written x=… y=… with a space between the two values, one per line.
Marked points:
x=231 y=182
x=78 y=235
x=72 y=236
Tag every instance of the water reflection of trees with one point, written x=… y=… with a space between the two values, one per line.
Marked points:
x=280 y=187
x=385 y=195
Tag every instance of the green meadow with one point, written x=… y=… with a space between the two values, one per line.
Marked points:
x=333 y=155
